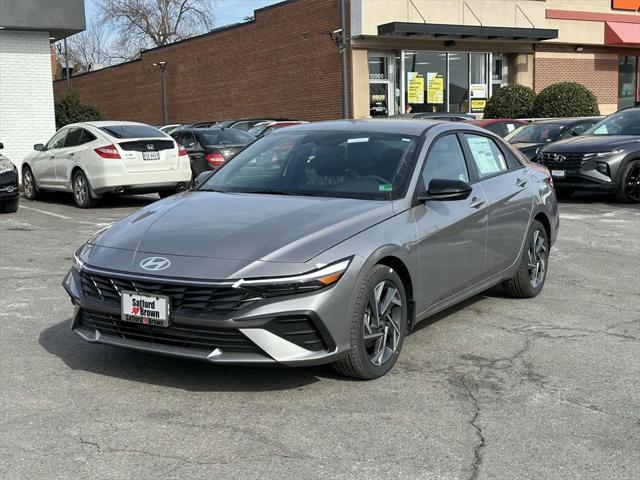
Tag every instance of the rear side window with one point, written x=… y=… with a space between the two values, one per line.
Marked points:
x=495 y=127
x=487 y=157
x=132 y=131
x=445 y=161
x=226 y=136
x=78 y=136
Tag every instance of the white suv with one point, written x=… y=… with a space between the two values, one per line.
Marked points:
x=94 y=158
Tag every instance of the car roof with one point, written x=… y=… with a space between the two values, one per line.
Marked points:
x=566 y=121
x=409 y=126
x=106 y=123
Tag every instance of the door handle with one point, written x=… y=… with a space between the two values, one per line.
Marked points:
x=71 y=154
x=521 y=182
x=476 y=202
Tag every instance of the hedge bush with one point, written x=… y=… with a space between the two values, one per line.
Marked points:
x=565 y=99
x=512 y=101
x=70 y=109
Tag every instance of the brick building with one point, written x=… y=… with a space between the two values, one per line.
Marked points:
x=422 y=55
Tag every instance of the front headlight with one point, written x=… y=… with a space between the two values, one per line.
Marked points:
x=602 y=154
x=307 y=282
x=82 y=254
x=6 y=166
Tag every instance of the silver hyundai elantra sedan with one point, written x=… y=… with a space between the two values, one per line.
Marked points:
x=321 y=243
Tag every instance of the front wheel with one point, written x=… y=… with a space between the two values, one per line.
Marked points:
x=629 y=189
x=532 y=271
x=9 y=206
x=29 y=183
x=378 y=325
x=82 y=191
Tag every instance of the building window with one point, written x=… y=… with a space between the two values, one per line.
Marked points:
x=383 y=94
x=446 y=82
x=628 y=81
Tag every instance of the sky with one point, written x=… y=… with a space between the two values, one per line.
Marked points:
x=227 y=11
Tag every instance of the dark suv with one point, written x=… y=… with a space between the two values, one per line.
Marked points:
x=9 y=195
x=606 y=158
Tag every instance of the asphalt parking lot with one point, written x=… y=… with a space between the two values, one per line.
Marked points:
x=496 y=388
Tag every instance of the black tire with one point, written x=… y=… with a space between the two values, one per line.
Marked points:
x=359 y=363
x=29 y=184
x=166 y=193
x=629 y=187
x=522 y=285
x=82 y=191
x=9 y=206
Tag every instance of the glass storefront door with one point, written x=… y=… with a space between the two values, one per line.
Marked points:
x=382 y=84
x=445 y=82
x=628 y=81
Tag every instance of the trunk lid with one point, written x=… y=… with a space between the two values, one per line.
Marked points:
x=149 y=155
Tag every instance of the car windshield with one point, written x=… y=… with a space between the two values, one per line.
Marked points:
x=132 y=131
x=362 y=165
x=226 y=136
x=536 y=133
x=626 y=122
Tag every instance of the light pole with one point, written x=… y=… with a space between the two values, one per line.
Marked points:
x=163 y=86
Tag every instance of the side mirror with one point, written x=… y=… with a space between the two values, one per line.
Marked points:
x=444 y=189
x=1 y=145
x=573 y=133
x=202 y=178
x=38 y=147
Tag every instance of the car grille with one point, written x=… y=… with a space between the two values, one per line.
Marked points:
x=185 y=300
x=569 y=162
x=199 y=338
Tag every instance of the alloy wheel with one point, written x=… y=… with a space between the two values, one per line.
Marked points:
x=28 y=184
x=381 y=323
x=537 y=259
x=80 y=189
x=632 y=183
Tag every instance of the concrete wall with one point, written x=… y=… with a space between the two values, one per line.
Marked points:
x=26 y=96
x=368 y=14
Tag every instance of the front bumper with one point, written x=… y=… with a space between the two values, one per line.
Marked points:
x=297 y=330
x=9 y=185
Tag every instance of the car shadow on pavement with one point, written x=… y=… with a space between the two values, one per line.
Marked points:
x=107 y=201
x=588 y=198
x=185 y=374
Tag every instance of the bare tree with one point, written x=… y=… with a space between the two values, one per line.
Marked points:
x=142 y=24
x=89 y=48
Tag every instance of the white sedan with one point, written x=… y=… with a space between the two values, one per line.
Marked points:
x=90 y=159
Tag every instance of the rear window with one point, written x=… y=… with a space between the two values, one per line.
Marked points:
x=227 y=136
x=132 y=131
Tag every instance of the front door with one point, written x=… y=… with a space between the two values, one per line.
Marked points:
x=382 y=88
x=451 y=233
x=43 y=163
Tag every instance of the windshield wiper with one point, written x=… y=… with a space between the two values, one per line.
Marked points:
x=274 y=191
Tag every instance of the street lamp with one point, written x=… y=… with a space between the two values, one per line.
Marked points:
x=163 y=84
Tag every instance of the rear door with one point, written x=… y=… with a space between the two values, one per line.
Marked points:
x=504 y=181
x=74 y=147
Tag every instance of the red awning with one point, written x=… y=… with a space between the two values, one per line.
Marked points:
x=617 y=33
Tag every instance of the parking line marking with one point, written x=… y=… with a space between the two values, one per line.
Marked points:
x=64 y=217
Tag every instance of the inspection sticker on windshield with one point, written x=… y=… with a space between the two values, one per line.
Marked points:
x=145 y=309
x=385 y=187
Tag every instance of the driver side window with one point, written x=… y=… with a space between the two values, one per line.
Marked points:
x=57 y=141
x=445 y=161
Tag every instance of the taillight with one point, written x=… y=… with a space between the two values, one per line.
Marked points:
x=108 y=151
x=214 y=159
x=182 y=151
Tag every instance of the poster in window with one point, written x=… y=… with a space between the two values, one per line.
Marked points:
x=415 y=87
x=478 y=105
x=478 y=90
x=435 y=87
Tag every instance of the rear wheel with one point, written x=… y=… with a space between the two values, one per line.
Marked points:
x=29 y=183
x=9 y=206
x=532 y=271
x=629 y=189
x=378 y=325
x=82 y=191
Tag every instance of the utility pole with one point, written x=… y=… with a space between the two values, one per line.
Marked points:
x=66 y=64
x=163 y=86
x=343 y=53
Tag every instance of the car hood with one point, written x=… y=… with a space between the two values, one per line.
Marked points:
x=245 y=227
x=593 y=143
x=522 y=145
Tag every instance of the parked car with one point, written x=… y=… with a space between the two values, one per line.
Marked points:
x=265 y=128
x=246 y=124
x=209 y=148
x=91 y=159
x=330 y=255
x=605 y=158
x=500 y=126
x=447 y=116
x=9 y=193
x=530 y=138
